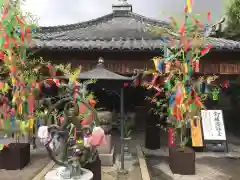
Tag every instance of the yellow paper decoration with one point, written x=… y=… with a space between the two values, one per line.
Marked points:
x=30 y=123
x=189 y=5
x=13 y=81
x=20 y=109
x=22 y=126
x=156 y=61
x=79 y=141
x=1 y=147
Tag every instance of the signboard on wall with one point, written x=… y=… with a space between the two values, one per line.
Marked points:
x=220 y=68
x=213 y=125
x=119 y=66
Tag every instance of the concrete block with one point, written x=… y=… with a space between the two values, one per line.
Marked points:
x=106 y=148
x=107 y=159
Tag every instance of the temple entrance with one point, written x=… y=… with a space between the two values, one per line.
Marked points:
x=134 y=105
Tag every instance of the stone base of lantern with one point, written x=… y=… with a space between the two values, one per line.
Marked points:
x=55 y=174
x=107 y=159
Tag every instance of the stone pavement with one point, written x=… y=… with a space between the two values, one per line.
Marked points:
x=111 y=173
x=209 y=165
x=207 y=168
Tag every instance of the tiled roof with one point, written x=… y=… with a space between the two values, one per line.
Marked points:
x=115 y=25
x=115 y=31
x=101 y=44
x=130 y=44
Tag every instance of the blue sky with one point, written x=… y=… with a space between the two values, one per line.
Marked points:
x=59 y=12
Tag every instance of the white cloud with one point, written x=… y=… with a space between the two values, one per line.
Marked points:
x=58 y=12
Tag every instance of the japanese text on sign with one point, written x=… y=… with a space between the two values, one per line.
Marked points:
x=213 y=125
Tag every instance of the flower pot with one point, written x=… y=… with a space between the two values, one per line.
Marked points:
x=57 y=173
x=131 y=117
x=15 y=156
x=182 y=162
x=95 y=168
x=152 y=137
x=127 y=153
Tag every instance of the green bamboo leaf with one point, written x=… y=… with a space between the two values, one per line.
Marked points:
x=1 y=147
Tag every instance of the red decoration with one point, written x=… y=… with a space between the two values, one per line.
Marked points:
x=171 y=137
x=50 y=67
x=137 y=82
x=125 y=84
x=13 y=69
x=84 y=122
x=92 y=102
x=28 y=30
x=31 y=104
x=56 y=81
x=182 y=29
x=6 y=44
x=61 y=120
x=82 y=108
x=205 y=50
x=197 y=66
x=172 y=42
x=1 y=55
x=226 y=84
x=209 y=17
x=22 y=36
x=19 y=20
x=154 y=79
x=178 y=114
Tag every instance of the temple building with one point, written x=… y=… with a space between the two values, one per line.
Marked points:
x=124 y=40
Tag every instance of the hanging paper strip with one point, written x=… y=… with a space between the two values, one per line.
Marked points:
x=171 y=137
x=196 y=132
x=31 y=102
x=189 y=5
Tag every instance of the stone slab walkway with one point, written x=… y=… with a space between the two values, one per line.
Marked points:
x=209 y=165
x=110 y=173
x=207 y=168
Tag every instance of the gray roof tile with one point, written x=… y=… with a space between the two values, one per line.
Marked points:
x=126 y=31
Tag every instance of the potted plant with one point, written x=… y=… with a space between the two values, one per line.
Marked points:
x=176 y=67
x=105 y=120
x=72 y=143
x=127 y=131
x=127 y=139
x=106 y=125
x=17 y=87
